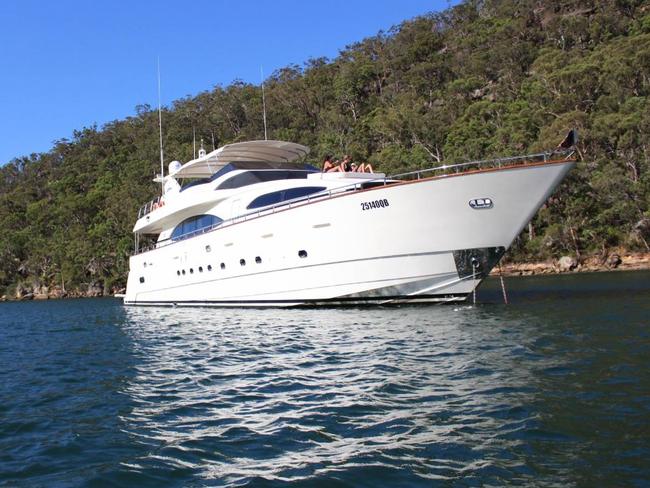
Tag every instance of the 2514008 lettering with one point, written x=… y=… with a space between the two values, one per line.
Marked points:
x=374 y=204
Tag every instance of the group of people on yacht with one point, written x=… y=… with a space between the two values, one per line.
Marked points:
x=346 y=165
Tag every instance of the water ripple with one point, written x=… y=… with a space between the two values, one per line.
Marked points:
x=94 y=394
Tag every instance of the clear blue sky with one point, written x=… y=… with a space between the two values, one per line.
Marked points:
x=67 y=64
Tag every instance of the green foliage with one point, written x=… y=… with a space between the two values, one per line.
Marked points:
x=483 y=78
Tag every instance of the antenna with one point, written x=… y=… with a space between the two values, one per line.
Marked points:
x=162 y=166
x=263 y=100
x=194 y=140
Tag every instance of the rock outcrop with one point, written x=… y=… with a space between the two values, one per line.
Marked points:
x=567 y=263
x=613 y=261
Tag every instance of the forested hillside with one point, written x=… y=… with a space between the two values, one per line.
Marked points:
x=479 y=79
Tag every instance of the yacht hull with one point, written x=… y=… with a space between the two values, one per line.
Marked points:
x=430 y=240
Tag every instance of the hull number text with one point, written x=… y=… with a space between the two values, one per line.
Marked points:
x=374 y=204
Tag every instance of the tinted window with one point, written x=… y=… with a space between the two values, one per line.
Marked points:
x=189 y=226
x=252 y=177
x=292 y=193
x=257 y=165
x=195 y=183
x=282 y=195
x=268 y=199
x=194 y=225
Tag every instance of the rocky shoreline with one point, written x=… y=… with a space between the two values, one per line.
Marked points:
x=25 y=293
x=570 y=264
x=565 y=264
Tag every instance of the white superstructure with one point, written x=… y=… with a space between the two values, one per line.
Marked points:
x=255 y=228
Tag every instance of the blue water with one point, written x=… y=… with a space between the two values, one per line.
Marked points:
x=551 y=390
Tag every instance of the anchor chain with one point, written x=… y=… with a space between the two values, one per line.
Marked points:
x=474 y=266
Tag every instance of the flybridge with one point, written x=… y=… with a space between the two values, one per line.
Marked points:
x=255 y=172
x=261 y=155
x=250 y=151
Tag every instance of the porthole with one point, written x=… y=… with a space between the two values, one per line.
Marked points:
x=208 y=248
x=242 y=262
x=209 y=267
x=302 y=253
x=178 y=272
x=141 y=279
x=183 y=271
x=191 y=270
x=223 y=265
x=258 y=259
x=200 y=269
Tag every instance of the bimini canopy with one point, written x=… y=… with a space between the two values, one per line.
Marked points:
x=252 y=151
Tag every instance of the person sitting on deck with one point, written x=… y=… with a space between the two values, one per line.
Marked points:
x=346 y=164
x=362 y=167
x=328 y=165
x=332 y=167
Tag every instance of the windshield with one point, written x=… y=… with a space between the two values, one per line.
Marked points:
x=252 y=177
x=275 y=171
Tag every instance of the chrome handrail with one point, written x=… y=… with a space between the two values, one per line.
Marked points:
x=149 y=207
x=332 y=192
x=497 y=162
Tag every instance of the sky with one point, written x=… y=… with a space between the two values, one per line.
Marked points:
x=69 y=64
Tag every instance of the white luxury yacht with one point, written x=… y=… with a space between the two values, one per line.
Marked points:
x=252 y=225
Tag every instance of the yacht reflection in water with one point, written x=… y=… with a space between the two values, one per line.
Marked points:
x=309 y=394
